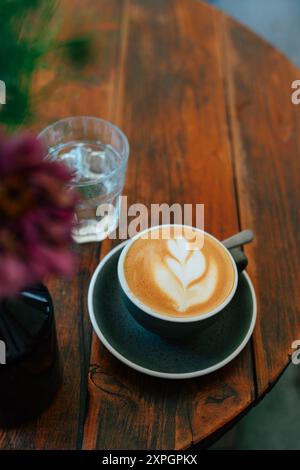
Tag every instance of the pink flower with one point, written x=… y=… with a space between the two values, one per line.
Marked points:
x=36 y=215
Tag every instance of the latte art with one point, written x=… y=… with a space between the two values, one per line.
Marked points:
x=173 y=279
x=185 y=276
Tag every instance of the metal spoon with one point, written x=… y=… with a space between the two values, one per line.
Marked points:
x=241 y=238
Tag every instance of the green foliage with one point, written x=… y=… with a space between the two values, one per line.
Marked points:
x=27 y=38
x=77 y=51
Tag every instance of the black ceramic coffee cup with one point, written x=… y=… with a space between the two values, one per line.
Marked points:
x=171 y=326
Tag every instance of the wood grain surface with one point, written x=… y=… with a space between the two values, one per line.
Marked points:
x=265 y=145
x=206 y=107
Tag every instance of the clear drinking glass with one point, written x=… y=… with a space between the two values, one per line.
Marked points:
x=97 y=151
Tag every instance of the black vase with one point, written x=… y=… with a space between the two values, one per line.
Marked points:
x=31 y=374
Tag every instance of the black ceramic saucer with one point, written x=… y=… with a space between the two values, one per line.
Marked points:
x=154 y=355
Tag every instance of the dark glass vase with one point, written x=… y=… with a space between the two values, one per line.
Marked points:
x=31 y=374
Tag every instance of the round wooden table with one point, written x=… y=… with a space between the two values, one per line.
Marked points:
x=206 y=105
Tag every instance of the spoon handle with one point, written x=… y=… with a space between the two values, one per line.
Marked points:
x=241 y=238
x=240 y=259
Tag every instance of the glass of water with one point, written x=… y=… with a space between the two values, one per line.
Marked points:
x=97 y=153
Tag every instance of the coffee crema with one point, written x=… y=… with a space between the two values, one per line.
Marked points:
x=176 y=273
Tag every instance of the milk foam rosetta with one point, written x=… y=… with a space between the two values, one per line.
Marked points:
x=173 y=279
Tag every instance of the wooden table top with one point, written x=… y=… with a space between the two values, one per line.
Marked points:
x=207 y=110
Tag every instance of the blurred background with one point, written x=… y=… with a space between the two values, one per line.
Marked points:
x=275 y=422
x=278 y=21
